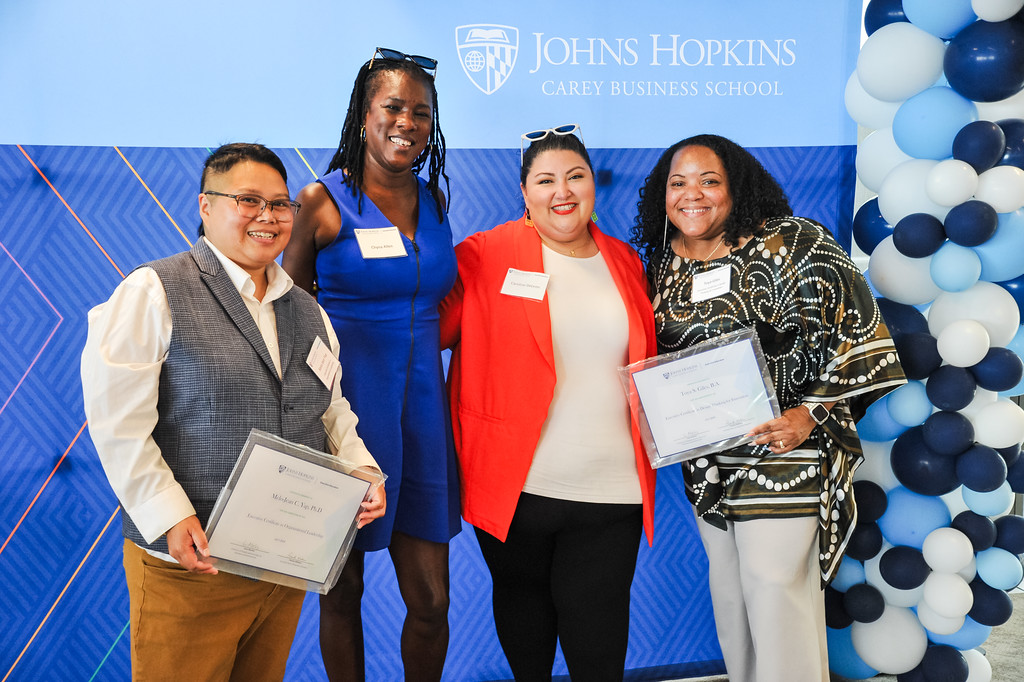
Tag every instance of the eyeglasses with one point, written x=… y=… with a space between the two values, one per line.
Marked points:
x=252 y=205
x=536 y=135
x=425 y=63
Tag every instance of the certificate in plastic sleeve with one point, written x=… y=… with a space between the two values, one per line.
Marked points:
x=288 y=514
x=700 y=400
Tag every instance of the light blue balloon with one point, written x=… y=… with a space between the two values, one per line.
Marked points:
x=942 y=18
x=970 y=636
x=999 y=569
x=850 y=573
x=955 y=268
x=843 y=659
x=877 y=425
x=1001 y=256
x=909 y=405
x=926 y=124
x=910 y=517
x=988 y=504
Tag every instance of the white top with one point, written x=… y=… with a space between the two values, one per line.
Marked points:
x=127 y=343
x=585 y=452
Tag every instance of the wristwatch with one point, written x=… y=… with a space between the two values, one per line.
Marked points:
x=819 y=413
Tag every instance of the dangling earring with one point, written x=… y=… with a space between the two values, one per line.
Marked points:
x=528 y=220
x=664 y=233
x=362 y=134
x=593 y=217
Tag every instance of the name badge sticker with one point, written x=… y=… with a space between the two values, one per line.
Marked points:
x=710 y=284
x=323 y=363
x=525 y=284
x=380 y=242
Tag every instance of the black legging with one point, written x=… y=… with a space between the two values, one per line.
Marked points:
x=564 y=573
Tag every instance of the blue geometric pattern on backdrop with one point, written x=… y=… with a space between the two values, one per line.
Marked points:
x=73 y=221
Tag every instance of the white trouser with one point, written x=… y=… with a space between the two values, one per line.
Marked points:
x=769 y=606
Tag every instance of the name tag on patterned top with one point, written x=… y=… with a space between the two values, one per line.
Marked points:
x=710 y=284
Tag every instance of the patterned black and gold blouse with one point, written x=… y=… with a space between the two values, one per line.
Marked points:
x=822 y=337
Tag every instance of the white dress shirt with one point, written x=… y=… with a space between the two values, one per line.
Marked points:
x=128 y=340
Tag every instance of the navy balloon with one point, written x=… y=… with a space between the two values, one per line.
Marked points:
x=869 y=227
x=901 y=318
x=835 y=614
x=981 y=144
x=919 y=354
x=1013 y=129
x=864 y=603
x=948 y=433
x=919 y=468
x=903 y=567
x=1000 y=370
x=1015 y=476
x=865 y=541
x=871 y=500
x=980 y=530
x=981 y=468
x=1016 y=288
x=943 y=663
x=914 y=675
x=991 y=607
x=918 y=235
x=951 y=388
x=970 y=223
x=879 y=13
x=1010 y=534
x=985 y=61
x=1010 y=454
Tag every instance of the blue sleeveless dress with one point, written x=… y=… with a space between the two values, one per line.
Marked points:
x=384 y=311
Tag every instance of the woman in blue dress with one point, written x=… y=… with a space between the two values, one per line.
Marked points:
x=373 y=243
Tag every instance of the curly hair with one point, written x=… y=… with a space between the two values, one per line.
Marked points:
x=756 y=196
x=350 y=154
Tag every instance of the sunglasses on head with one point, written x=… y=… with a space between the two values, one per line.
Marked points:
x=535 y=135
x=425 y=63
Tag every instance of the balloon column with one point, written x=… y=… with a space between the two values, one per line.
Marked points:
x=940 y=84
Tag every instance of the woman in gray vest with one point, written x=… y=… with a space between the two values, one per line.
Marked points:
x=188 y=354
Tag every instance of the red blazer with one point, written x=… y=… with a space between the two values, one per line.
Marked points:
x=502 y=372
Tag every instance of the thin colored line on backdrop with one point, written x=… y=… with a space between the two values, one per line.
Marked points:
x=71 y=210
x=110 y=651
x=61 y=595
x=134 y=172
x=60 y=320
x=315 y=176
x=43 y=487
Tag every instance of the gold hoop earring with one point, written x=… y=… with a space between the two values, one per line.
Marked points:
x=362 y=134
x=664 y=233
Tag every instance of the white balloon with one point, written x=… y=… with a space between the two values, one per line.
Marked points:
x=954 y=502
x=1002 y=188
x=877 y=155
x=898 y=61
x=940 y=625
x=904 y=191
x=999 y=425
x=948 y=594
x=1011 y=107
x=947 y=550
x=963 y=343
x=978 y=667
x=893 y=644
x=990 y=304
x=876 y=466
x=951 y=182
x=996 y=10
x=982 y=399
x=867 y=111
x=892 y=595
x=970 y=571
x=901 y=278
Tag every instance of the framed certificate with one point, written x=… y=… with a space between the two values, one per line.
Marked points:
x=700 y=400
x=288 y=514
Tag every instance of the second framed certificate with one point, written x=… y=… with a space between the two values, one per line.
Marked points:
x=700 y=400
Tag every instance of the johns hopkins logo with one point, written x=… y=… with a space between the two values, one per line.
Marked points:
x=487 y=53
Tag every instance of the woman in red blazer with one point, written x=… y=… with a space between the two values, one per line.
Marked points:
x=553 y=473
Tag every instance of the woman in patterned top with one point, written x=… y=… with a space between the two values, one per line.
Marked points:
x=767 y=510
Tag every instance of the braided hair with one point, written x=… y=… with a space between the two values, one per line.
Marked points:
x=350 y=154
x=756 y=195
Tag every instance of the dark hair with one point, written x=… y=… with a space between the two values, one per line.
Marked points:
x=567 y=142
x=350 y=153
x=756 y=196
x=227 y=156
